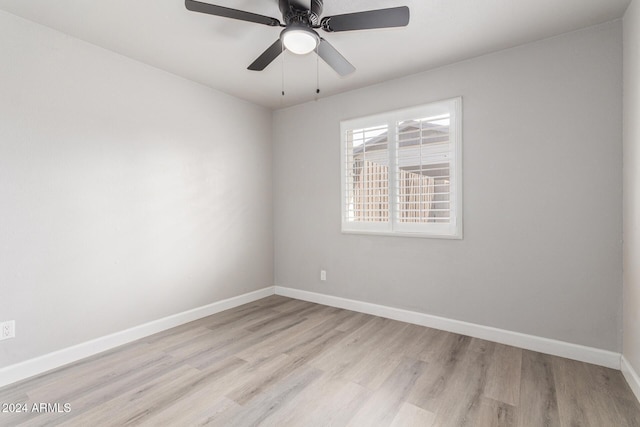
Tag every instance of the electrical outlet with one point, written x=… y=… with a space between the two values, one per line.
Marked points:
x=323 y=275
x=7 y=330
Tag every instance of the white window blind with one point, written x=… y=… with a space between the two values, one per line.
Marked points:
x=401 y=172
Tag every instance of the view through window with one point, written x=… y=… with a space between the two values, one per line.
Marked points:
x=401 y=172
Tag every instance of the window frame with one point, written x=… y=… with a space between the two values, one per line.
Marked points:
x=452 y=230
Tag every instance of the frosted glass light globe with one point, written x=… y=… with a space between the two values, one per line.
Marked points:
x=300 y=41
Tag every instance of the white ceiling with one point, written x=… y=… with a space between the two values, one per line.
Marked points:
x=216 y=51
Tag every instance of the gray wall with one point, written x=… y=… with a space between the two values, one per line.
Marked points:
x=632 y=185
x=542 y=245
x=126 y=193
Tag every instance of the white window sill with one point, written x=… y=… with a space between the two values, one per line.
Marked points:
x=405 y=234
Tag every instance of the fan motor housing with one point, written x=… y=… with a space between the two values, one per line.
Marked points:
x=293 y=14
x=315 y=12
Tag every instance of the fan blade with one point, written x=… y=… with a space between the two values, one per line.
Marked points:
x=226 y=12
x=331 y=56
x=381 y=18
x=267 y=56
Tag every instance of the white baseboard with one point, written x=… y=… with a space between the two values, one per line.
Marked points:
x=47 y=362
x=582 y=353
x=631 y=376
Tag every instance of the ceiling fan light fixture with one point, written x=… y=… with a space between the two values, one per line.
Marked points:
x=300 y=22
x=300 y=40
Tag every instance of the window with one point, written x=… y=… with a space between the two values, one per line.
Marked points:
x=402 y=172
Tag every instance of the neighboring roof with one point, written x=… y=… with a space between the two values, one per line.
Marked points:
x=435 y=133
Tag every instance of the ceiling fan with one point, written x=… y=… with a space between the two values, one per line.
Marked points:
x=300 y=23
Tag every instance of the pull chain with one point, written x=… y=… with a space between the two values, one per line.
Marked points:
x=317 y=73
x=282 y=54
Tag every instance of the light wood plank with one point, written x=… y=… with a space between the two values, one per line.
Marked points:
x=282 y=362
x=538 y=405
x=577 y=403
x=503 y=378
x=461 y=399
x=441 y=369
x=326 y=402
x=412 y=416
x=385 y=403
x=492 y=413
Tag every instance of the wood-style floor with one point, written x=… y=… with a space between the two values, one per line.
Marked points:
x=283 y=362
